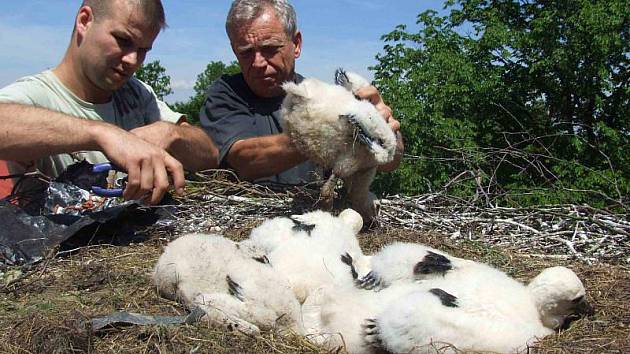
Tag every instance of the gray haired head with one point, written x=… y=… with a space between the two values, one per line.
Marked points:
x=244 y=11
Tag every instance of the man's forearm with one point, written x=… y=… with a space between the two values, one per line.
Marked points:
x=263 y=156
x=194 y=149
x=28 y=133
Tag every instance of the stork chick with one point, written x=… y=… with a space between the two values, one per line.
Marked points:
x=322 y=250
x=478 y=308
x=339 y=132
x=234 y=285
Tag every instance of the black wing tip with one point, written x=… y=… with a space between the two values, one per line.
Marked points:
x=262 y=259
x=370 y=281
x=341 y=77
x=446 y=299
x=372 y=333
x=301 y=226
x=347 y=259
x=234 y=289
x=433 y=263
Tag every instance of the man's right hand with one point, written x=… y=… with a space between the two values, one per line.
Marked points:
x=147 y=165
x=28 y=133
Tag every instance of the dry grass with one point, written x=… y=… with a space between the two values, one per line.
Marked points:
x=47 y=311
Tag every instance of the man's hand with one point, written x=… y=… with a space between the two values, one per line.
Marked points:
x=188 y=144
x=148 y=166
x=371 y=94
x=28 y=133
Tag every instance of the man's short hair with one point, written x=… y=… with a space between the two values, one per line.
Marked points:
x=151 y=9
x=244 y=11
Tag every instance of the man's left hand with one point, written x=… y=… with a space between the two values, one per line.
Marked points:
x=371 y=94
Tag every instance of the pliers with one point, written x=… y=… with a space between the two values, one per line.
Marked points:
x=118 y=184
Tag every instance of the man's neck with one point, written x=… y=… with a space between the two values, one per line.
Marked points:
x=71 y=76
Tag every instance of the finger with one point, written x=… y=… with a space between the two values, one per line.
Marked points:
x=369 y=93
x=133 y=182
x=394 y=124
x=385 y=111
x=146 y=179
x=160 y=181
x=176 y=171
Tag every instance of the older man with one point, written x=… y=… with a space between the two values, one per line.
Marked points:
x=241 y=112
x=90 y=106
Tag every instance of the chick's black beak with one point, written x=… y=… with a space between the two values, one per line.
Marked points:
x=581 y=309
x=584 y=308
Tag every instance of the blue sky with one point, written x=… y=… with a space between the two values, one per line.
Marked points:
x=35 y=33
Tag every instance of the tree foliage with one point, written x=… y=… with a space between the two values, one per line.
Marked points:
x=154 y=74
x=524 y=99
x=213 y=71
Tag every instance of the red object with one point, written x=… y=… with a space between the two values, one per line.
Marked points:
x=6 y=185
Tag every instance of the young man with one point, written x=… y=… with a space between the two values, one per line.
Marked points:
x=91 y=107
x=241 y=112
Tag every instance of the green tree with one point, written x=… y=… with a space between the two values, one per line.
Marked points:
x=528 y=99
x=213 y=71
x=154 y=74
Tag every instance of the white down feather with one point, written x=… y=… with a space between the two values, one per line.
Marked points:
x=312 y=256
x=327 y=123
x=470 y=306
x=194 y=269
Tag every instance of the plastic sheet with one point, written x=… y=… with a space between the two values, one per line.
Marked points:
x=130 y=318
x=36 y=221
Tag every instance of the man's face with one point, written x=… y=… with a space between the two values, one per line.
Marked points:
x=112 y=48
x=265 y=54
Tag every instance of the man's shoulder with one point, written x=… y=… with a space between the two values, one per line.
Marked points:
x=32 y=89
x=228 y=83
x=136 y=89
x=231 y=90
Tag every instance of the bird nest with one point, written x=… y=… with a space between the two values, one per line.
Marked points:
x=217 y=203
x=46 y=308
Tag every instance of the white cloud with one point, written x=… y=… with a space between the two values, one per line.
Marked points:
x=183 y=84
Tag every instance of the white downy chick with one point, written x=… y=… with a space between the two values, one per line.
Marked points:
x=235 y=287
x=323 y=250
x=477 y=308
x=339 y=132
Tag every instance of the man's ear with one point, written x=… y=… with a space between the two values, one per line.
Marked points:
x=297 y=41
x=84 y=20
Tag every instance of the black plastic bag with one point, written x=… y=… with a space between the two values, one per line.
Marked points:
x=63 y=213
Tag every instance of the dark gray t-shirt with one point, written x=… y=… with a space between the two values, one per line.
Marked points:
x=232 y=112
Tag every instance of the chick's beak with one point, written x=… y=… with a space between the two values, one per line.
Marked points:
x=580 y=309
x=584 y=308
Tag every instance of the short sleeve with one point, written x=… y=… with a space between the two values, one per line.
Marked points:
x=156 y=109
x=18 y=92
x=226 y=118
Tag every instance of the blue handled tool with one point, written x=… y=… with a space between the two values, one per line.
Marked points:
x=106 y=192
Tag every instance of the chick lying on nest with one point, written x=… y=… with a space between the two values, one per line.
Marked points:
x=339 y=132
x=427 y=301
x=234 y=285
